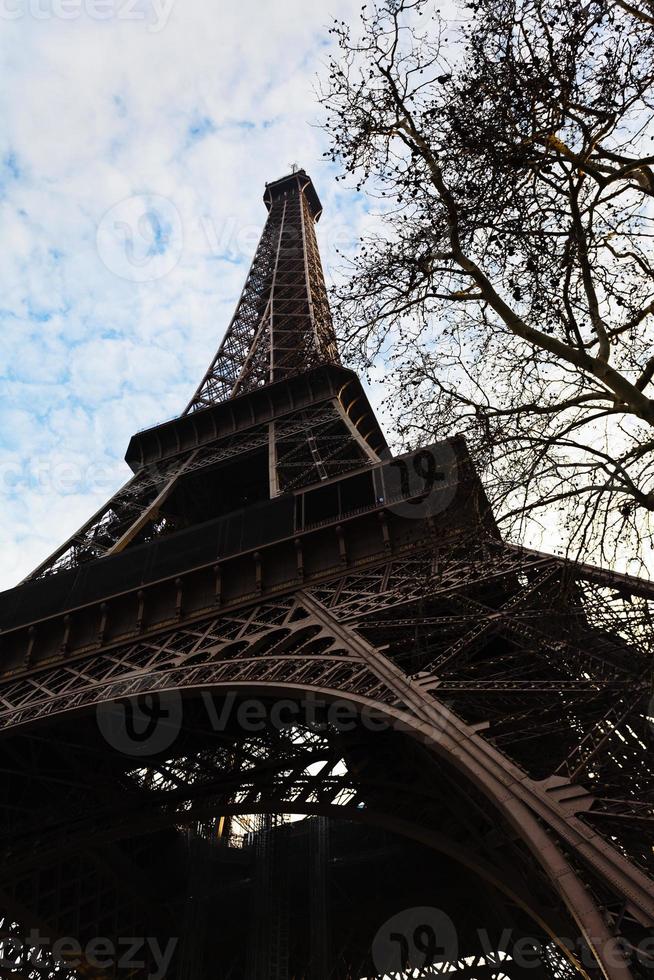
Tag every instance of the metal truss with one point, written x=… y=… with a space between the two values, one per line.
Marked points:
x=28 y=963
x=513 y=689
x=359 y=775
x=136 y=505
x=373 y=780
x=282 y=326
x=458 y=654
x=282 y=323
x=315 y=446
x=305 y=447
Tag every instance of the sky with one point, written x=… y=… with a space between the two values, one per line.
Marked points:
x=136 y=137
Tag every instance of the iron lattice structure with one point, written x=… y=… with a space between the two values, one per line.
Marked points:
x=497 y=754
x=282 y=323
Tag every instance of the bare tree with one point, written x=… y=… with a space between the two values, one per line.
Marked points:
x=512 y=289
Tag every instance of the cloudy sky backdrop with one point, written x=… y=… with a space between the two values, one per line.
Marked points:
x=109 y=109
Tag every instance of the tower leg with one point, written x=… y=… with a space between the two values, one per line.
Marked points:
x=195 y=922
x=319 y=892
x=268 y=953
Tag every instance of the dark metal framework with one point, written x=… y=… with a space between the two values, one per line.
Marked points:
x=267 y=545
x=282 y=323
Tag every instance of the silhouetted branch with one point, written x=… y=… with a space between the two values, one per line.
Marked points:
x=514 y=283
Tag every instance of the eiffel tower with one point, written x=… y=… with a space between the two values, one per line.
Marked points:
x=291 y=700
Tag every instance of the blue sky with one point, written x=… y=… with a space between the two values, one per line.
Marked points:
x=136 y=139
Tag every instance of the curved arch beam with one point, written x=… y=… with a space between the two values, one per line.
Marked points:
x=370 y=681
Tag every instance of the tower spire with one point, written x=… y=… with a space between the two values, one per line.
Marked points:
x=275 y=411
x=282 y=324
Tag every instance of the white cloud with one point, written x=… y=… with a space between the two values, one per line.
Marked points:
x=197 y=103
x=202 y=111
